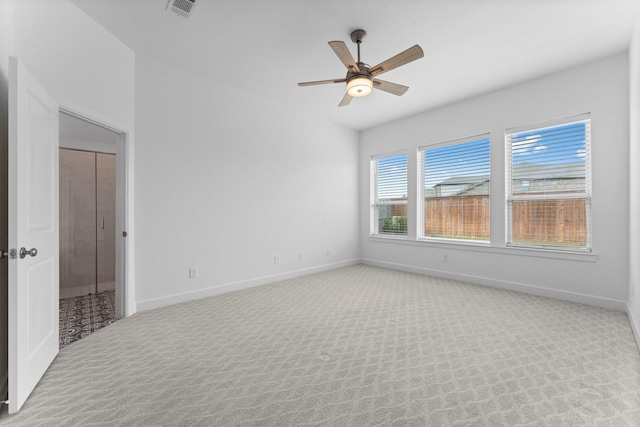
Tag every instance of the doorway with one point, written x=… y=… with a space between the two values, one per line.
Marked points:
x=88 y=208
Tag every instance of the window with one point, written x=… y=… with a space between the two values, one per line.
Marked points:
x=455 y=189
x=549 y=185
x=389 y=195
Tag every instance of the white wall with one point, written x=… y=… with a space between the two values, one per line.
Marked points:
x=226 y=181
x=600 y=88
x=82 y=65
x=75 y=59
x=634 y=194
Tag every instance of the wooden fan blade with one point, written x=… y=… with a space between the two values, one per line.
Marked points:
x=322 y=82
x=345 y=100
x=409 y=55
x=393 y=88
x=345 y=56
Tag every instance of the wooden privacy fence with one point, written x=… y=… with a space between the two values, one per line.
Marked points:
x=465 y=217
x=561 y=222
x=534 y=221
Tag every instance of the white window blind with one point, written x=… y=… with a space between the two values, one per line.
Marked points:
x=549 y=185
x=389 y=195
x=455 y=189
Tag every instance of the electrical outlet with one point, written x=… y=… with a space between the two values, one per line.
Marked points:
x=276 y=259
x=299 y=256
x=328 y=252
x=193 y=272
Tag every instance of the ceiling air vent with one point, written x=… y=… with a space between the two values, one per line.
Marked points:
x=181 y=7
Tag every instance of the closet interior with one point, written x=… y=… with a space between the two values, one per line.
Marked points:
x=87 y=222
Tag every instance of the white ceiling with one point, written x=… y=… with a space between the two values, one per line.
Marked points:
x=471 y=46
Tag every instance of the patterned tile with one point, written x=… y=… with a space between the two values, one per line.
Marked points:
x=83 y=315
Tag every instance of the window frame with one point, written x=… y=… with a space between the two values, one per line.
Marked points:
x=421 y=202
x=374 y=204
x=510 y=197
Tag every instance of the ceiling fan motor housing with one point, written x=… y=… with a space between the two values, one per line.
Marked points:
x=364 y=72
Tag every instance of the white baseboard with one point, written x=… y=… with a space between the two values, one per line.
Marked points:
x=635 y=326
x=236 y=286
x=502 y=284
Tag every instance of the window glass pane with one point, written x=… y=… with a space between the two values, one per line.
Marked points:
x=390 y=195
x=548 y=179
x=456 y=190
x=548 y=161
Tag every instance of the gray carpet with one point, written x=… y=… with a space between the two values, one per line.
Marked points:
x=357 y=346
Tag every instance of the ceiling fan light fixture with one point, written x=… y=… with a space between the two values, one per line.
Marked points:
x=360 y=86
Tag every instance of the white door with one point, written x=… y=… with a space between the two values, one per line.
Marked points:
x=33 y=224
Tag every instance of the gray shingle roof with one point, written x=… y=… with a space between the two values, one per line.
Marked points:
x=535 y=171
x=458 y=180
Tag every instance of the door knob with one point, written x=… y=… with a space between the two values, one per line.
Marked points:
x=32 y=252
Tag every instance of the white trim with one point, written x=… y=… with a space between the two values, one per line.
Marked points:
x=635 y=326
x=510 y=198
x=609 y=303
x=374 y=200
x=87 y=114
x=390 y=154
x=541 y=125
x=236 y=286
x=421 y=176
x=390 y=238
x=484 y=247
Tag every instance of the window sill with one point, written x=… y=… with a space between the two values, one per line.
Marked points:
x=487 y=248
x=390 y=237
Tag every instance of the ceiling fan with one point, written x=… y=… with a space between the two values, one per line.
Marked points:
x=361 y=78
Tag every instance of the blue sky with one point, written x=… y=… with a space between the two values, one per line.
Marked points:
x=560 y=144
x=466 y=159
x=392 y=177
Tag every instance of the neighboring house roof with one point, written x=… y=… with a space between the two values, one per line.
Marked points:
x=469 y=180
x=535 y=171
x=521 y=172
x=457 y=185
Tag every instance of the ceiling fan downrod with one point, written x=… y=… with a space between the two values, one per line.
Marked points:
x=357 y=36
